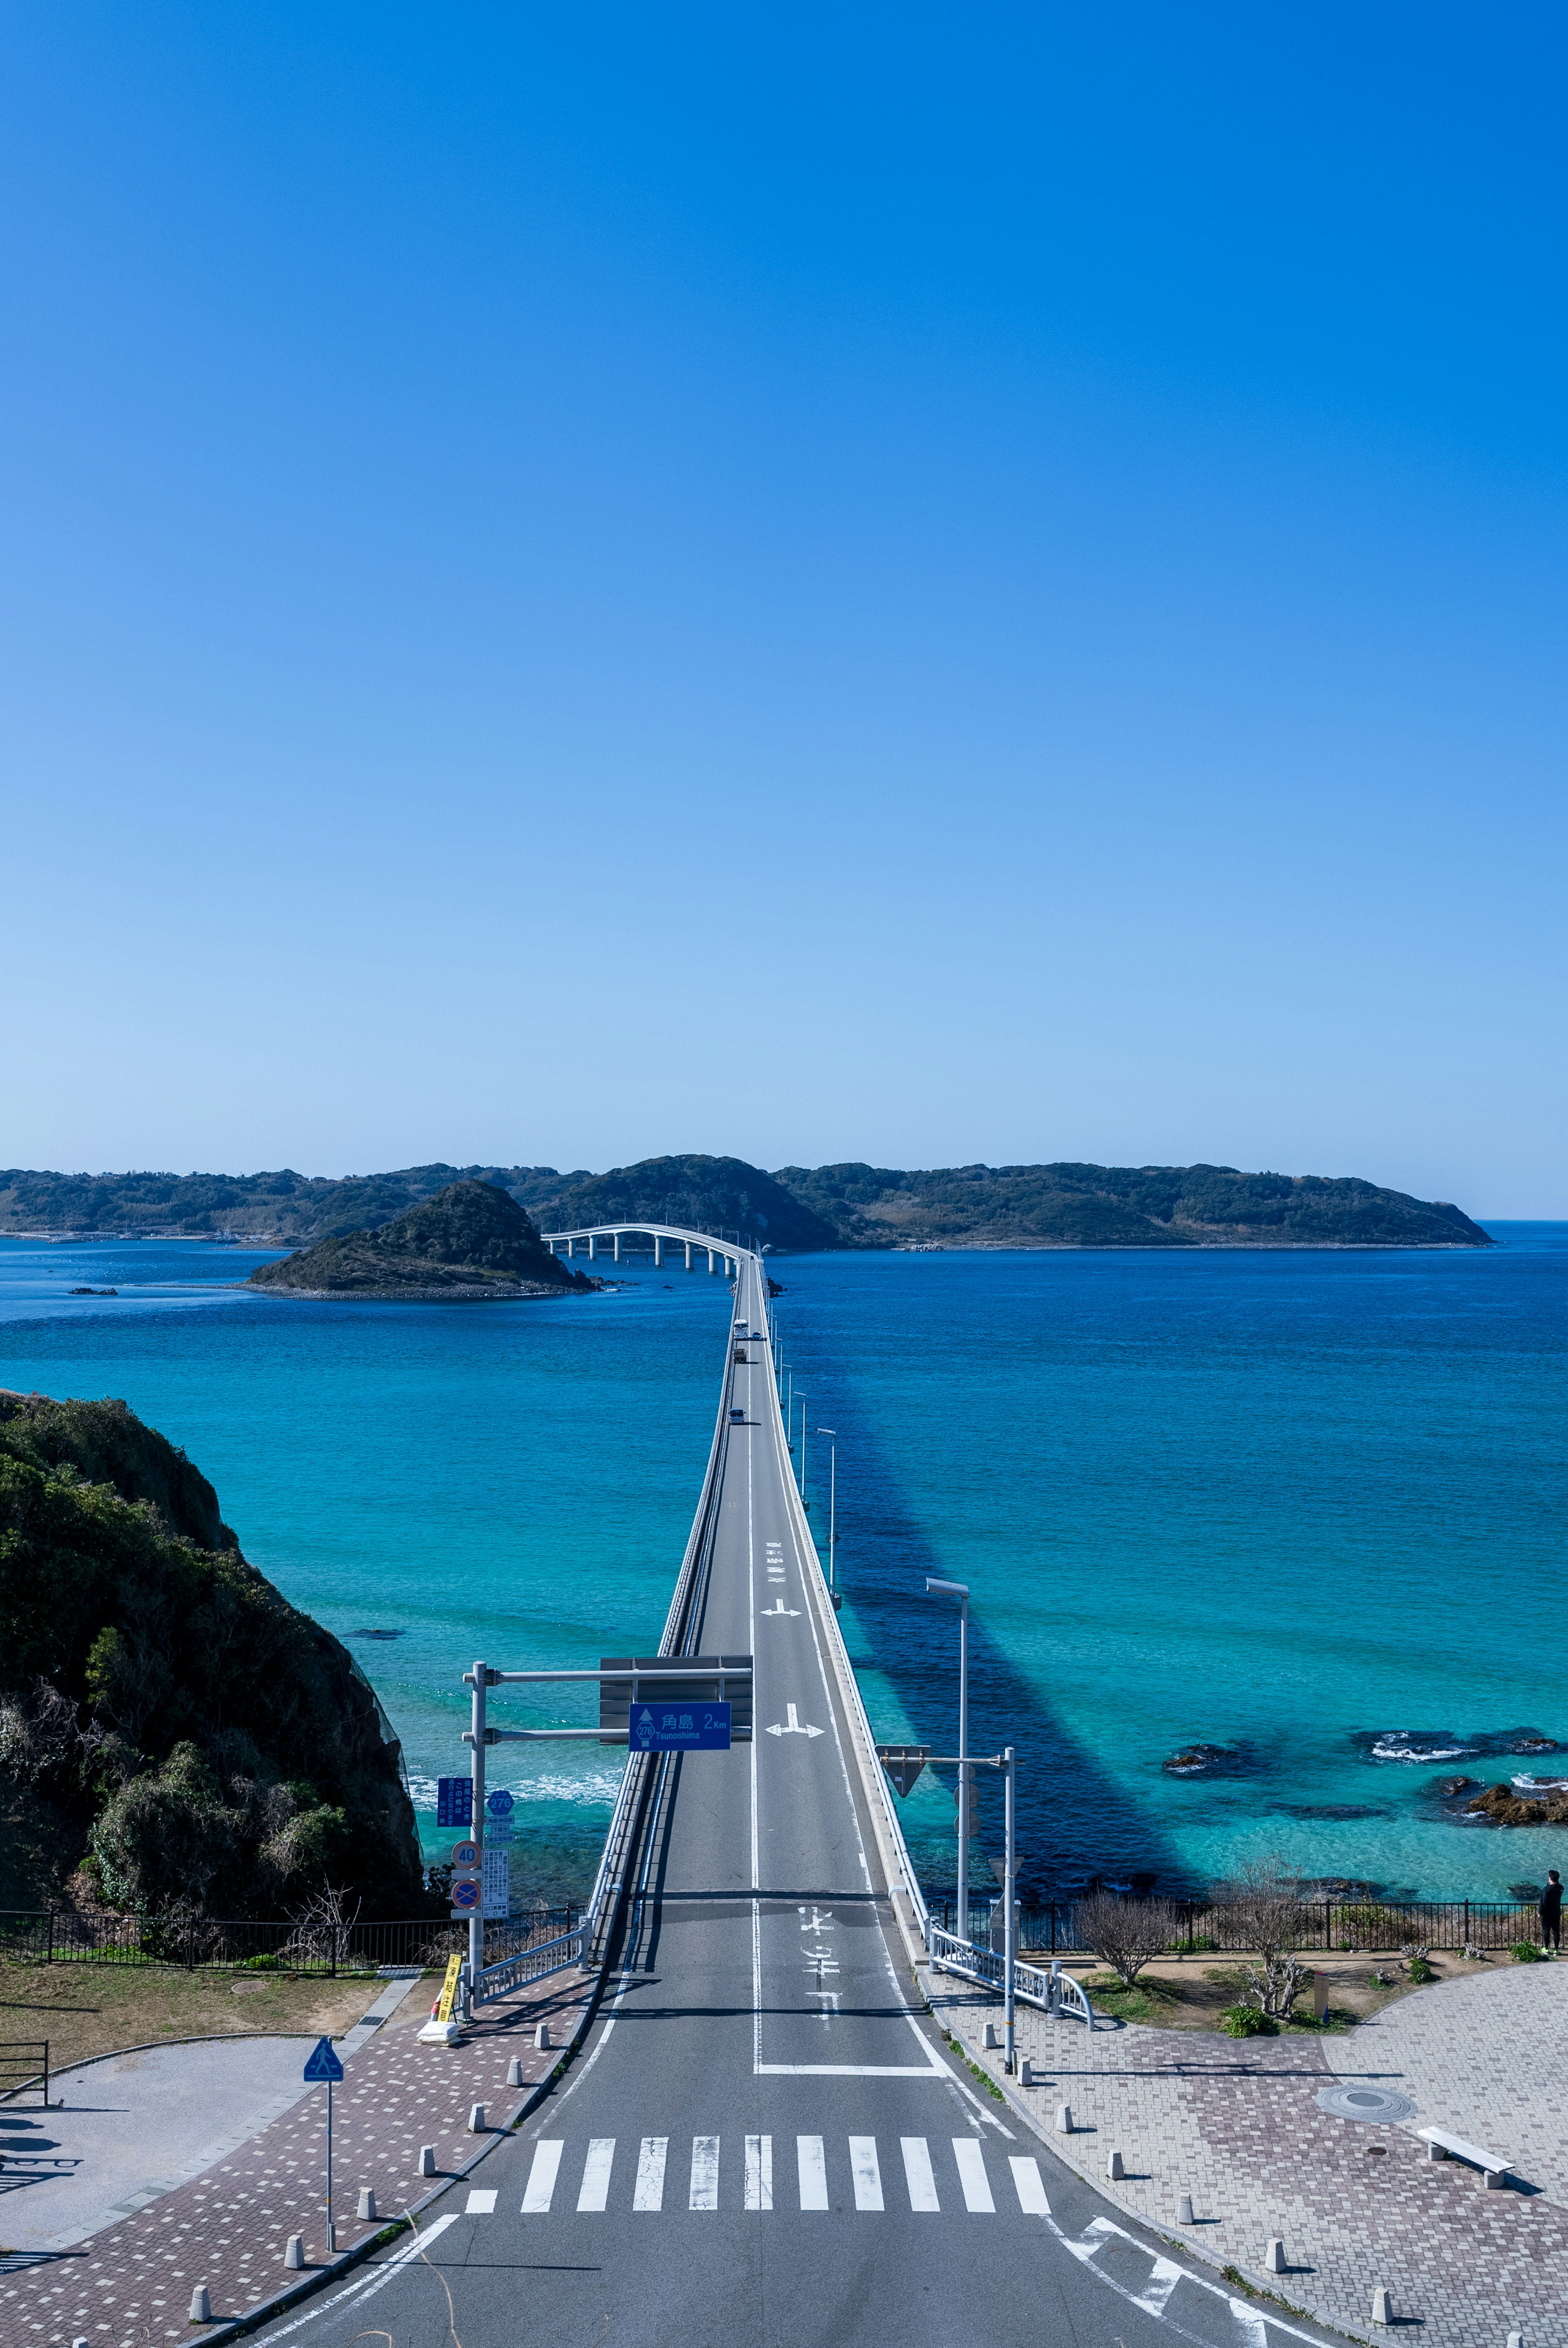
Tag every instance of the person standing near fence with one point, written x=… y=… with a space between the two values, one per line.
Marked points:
x=1552 y=1912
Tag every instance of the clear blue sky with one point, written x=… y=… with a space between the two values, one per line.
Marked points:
x=888 y=583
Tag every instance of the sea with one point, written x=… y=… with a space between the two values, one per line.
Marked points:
x=1297 y=1516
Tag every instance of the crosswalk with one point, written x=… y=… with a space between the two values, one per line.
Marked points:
x=826 y=2176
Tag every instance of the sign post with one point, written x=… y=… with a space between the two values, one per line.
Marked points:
x=324 y=2063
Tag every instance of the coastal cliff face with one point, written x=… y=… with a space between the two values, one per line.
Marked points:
x=174 y=1735
x=471 y=1240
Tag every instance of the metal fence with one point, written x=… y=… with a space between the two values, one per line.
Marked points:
x=1344 y=1925
x=23 y=2065
x=59 y=1936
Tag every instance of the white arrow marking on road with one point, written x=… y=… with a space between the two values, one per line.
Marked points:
x=792 y=1726
x=781 y=1609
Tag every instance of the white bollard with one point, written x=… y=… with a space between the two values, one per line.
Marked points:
x=993 y=2039
x=476 y=2119
x=295 y=2256
x=1185 y=2211
x=367 y=2201
x=1114 y=2169
x=542 y=2035
x=1382 y=2305
x=1516 y=2340
x=515 y=2071
x=200 y=2305
x=1273 y=2257
x=1064 y=2119
x=1028 y=2076
x=427 y=2160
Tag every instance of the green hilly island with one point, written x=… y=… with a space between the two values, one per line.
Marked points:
x=795 y=1208
x=175 y=1737
x=471 y=1240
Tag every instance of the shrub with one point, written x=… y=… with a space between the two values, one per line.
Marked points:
x=1126 y=1933
x=1245 y=2022
x=1525 y=1952
x=263 y=1964
x=1196 y=1944
x=1260 y=1909
x=1363 y=1924
x=1421 y=1971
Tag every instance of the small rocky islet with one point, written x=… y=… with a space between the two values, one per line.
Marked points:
x=471 y=1243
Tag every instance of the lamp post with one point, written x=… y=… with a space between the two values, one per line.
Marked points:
x=832 y=1500
x=789 y=1407
x=935 y=1588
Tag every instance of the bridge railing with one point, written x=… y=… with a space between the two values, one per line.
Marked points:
x=1053 y=1991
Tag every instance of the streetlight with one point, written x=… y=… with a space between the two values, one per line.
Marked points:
x=935 y=1588
x=789 y=1407
x=831 y=1503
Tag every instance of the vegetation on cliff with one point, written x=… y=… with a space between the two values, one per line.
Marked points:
x=174 y=1735
x=706 y=1194
x=470 y=1237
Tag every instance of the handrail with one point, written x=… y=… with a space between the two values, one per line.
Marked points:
x=1054 y=1992
x=587 y=1944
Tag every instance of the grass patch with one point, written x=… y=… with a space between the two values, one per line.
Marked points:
x=985 y=2079
x=1238 y=2281
x=87 y=2009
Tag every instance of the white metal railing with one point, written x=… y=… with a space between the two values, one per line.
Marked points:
x=1053 y=1992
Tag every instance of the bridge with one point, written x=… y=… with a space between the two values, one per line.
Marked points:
x=765 y=2138
x=723 y=1253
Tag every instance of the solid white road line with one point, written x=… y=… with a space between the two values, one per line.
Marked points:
x=368 y=2285
x=595 y=2189
x=541 y=2181
x=865 y=2172
x=704 y=2192
x=759 y=2172
x=918 y=2173
x=649 y=2193
x=481 y=2202
x=812 y=2164
x=972 y=2175
x=1030 y=2191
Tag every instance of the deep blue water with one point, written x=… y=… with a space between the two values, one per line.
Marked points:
x=1298 y=1506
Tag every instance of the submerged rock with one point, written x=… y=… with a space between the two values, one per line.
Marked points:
x=1209 y=1761
x=1449 y=1787
x=1506 y=1807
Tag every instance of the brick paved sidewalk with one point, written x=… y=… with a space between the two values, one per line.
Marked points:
x=1236 y=2124
x=130 y=2286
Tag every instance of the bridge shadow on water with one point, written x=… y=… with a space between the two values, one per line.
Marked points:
x=1076 y=1825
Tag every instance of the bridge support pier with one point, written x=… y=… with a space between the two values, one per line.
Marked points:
x=592 y=1249
x=713 y=1267
x=617 y=1246
x=687 y=1255
x=657 y=1252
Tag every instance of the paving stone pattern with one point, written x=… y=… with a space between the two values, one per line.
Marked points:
x=1235 y=2123
x=130 y=2286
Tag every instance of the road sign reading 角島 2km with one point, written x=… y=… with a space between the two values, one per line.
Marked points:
x=679 y=1728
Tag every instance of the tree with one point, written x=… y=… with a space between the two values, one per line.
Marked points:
x=1260 y=1910
x=1126 y=1933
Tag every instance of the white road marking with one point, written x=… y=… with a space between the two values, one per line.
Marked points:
x=704 y=2194
x=595 y=2190
x=649 y=2193
x=1158 y=2289
x=770 y=1612
x=481 y=2202
x=793 y=1725
x=1030 y=2191
x=918 y=2173
x=759 y=2172
x=972 y=2175
x=812 y=2166
x=368 y=2285
x=541 y=2181
x=866 y=2171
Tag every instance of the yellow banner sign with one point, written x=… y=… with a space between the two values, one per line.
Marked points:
x=450 y=1989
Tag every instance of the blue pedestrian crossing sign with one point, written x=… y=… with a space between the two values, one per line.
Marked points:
x=679 y=1728
x=322 y=2063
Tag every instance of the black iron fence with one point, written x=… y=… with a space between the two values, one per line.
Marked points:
x=60 y=1936
x=1342 y=1925
x=24 y=2065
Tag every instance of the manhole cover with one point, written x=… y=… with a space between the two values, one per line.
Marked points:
x=1380 y=2104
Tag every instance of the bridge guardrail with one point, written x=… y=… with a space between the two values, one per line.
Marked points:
x=1053 y=1992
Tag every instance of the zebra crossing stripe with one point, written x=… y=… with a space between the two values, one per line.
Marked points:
x=541 y=2181
x=918 y=2173
x=866 y=2171
x=595 y=2192
x=704 y=2192
x=650 y=2192
x=812 y=2163
x=972 y=2176
x=759 y=2172
x=1031 y=2192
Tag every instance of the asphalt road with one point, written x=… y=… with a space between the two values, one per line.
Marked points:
x=762 y=2142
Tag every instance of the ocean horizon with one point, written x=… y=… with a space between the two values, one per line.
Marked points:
x=1302 y=1507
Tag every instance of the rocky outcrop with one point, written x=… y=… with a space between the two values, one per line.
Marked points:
x=1507 y=1808
x=470 y=1242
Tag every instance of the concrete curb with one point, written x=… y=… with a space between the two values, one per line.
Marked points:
x=281 y=2302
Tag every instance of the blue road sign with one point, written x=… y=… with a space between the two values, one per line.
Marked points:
x=465 y=1896
x=498 y=1805
x=322 y=2063
x=453 y=1801
x=679 y=1728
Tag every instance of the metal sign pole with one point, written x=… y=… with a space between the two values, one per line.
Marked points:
x=476 y=1832
x=1009 y=1938
x=963 y=1886
x=331 y=2229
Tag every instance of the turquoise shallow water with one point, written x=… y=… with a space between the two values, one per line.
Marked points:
x=1298 y=1506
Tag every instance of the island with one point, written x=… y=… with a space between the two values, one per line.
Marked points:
x=175 y=1739
x=471 y=1243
